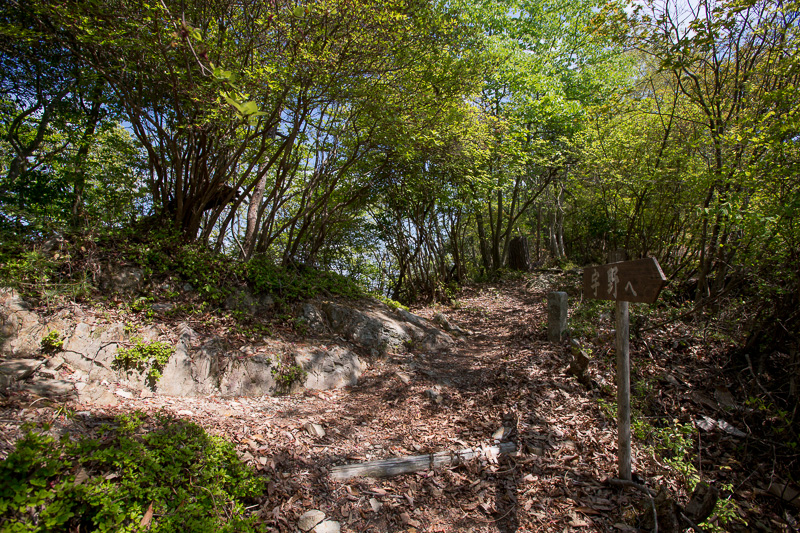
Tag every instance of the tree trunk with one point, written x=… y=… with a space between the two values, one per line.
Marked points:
x=252 y=217
x=519 y=254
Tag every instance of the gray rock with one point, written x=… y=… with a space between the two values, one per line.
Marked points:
x=329 y=368
x=20 y=369
x=328 y=526
x=163 y=307
x=441 y=320
x=55 y=362
x=241 y=301
x=122 y=279
x=314 y=430
x=51 y=387
x=94 y=351
x=445 y=323
x=20 y=329
x=379 y=329
x=104 y=398
x=314 y=319
x=190 y=372
x=309 y=519
x=435 y=395
x=249 y=376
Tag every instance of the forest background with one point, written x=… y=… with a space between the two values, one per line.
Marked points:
x=403 y=144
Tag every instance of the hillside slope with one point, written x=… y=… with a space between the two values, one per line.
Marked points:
x=504 y=375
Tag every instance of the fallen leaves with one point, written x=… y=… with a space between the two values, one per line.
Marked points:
x=567 y=443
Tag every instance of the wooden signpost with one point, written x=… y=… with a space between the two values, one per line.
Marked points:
x=623 y=282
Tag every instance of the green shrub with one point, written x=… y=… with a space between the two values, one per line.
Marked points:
x=29 y=271
x=294 y=283
x=143 y=356
x=394 y=304
x=52 y=342
x=193 y=481
x=286 y=375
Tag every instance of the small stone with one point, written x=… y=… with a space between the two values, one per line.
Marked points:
x=441 y=320
x=309 y=519
x=435 y=395
x=328 y=526
x=315 y=430
x=146 y=393
x=402 y=376
x=123 y=394
x=407 y=520
x=163 y=307
x=185 y=412
x=375 y=504
x=501 y=433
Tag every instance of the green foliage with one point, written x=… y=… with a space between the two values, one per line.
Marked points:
x=143 y=356
x=584 y=318
x=286 y=375
x=192 y=481
x=388 y=301
x=27 y=271
x=289 y=284
x=52 y=342
x=673 y=443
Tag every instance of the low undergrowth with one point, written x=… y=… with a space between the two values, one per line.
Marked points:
x=160 y=474
x=74 y=267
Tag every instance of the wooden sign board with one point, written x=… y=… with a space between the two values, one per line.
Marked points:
x=628 y=281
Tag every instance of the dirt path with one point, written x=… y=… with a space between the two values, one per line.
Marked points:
x=504 y=375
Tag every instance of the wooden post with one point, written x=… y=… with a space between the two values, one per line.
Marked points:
x=623 y=392
x=623 y=379
x=623 y=282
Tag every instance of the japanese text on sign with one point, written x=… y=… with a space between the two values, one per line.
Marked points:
x=630 y=281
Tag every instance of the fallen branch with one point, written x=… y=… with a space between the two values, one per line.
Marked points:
x=417 y=463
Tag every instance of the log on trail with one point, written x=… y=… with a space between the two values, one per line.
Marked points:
x=416 y=463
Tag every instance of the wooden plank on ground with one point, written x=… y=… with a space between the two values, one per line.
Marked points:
x=416 y=463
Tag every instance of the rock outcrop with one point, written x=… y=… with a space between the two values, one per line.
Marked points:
x=85 y=364
x=379 y=329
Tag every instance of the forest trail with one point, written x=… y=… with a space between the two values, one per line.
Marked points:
x=506 y=374
x=503 y=375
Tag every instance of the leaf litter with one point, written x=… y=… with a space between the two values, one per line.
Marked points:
x=504 y=381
